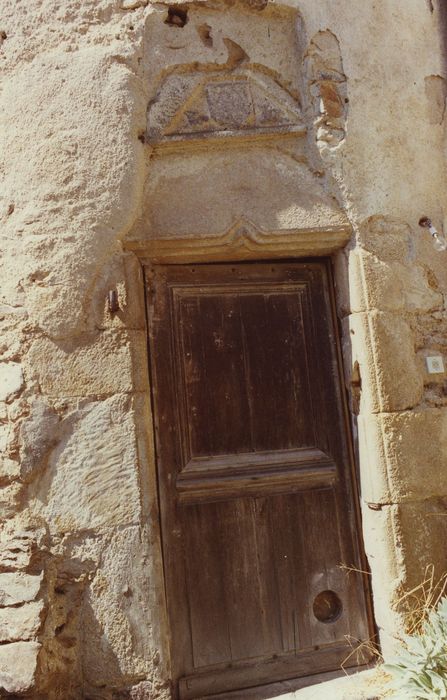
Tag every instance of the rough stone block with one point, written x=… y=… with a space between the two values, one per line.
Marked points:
x=20 y=623
x=373 y=284
x=404 y=543
x=383 y=346
x=18 y=663
x=100 y=363
x=125 y=582
x=10 y=499
x=387 y=285
x=94 y=469
x=388 y=238
x=11 y=379
x=18 y=588
x=16 y=549
x=9 y=468
x=421 y=527
x=142 y=691
x=418 y=293
x=402 y=455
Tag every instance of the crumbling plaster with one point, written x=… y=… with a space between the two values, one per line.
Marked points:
x=79 y=547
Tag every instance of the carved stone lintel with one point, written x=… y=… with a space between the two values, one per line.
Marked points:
x=243 y=241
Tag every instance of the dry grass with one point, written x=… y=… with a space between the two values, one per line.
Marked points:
x=415 y=606
x=417 y=603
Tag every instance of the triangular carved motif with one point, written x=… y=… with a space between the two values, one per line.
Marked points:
x=223 y=104
x=243 y=232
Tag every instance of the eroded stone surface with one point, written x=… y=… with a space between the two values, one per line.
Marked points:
x=104 y=363
x=91 y=479
x=21 y=623
x=392 y=439
x=18 y=588
x=11 y=379
x=383 y=346
x=18 y=662
x=16 y=549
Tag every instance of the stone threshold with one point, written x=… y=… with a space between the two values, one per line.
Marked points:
x=365 y=685
x=368 y=684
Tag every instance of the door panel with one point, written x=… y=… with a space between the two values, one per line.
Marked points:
x=254 y=475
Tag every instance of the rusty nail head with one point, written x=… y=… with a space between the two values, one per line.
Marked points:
x=112 y=299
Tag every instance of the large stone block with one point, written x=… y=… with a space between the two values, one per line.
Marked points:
x=421 y=527
x=402 y=455
x=126 y=610
x=388 y=285
x=22 y=623
x=382 y=345
x=18 y=588
x=388 y=238
x=101 y=363
x=92 y=477
x=18 y=664
x=272 y=191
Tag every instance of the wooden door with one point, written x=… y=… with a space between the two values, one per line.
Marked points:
x=257 y=504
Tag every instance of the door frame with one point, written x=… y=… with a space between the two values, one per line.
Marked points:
x=202 y=260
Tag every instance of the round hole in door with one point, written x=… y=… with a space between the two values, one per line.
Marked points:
x=327 y=607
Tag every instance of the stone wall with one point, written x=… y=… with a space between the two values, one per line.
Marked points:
x=81 y=591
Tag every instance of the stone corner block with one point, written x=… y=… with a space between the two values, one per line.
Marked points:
x=18 y=664
x=402 y=455
x=382 y=345
x=388 y=285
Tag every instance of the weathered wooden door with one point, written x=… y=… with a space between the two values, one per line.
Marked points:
x=257 y=504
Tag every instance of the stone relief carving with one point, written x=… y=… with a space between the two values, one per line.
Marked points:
x=220 y=103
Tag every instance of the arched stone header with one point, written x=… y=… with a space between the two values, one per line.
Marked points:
x=255 y=202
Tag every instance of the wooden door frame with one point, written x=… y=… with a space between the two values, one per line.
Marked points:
x=182 y=257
